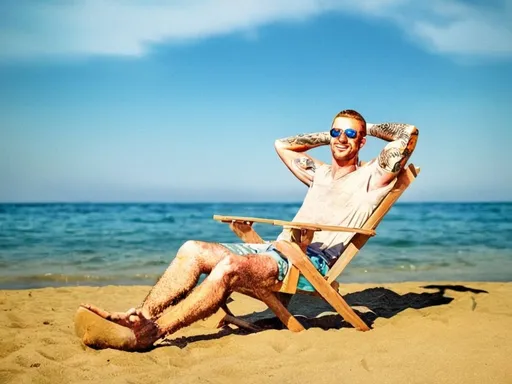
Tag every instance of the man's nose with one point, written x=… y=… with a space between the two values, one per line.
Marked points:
x=342 y=137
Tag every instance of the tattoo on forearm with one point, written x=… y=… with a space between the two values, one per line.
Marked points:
x=402 y=137
x=308 y=140
x=389 y=131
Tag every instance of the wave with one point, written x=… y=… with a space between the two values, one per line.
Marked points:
x=167 y=219
x=395 y=243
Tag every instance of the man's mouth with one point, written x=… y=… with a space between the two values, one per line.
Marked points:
x=341 y=147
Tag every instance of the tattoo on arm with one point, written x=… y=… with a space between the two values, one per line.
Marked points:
x=389 y=131
x=402 y=138
x=306 y=166
x=306 y=140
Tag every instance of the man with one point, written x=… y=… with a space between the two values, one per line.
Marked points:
x=341 y=193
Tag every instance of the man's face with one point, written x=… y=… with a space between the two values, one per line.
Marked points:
x=345 y=148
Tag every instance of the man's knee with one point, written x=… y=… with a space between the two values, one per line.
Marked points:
x=190 y=249
x=227 y=269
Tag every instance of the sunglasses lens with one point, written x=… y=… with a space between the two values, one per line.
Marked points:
x=335 y=132
x=351 y=133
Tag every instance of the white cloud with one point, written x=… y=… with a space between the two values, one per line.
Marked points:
x=131 y=27
x=455 y=27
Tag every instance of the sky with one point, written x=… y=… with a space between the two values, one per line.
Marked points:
x=181 y=101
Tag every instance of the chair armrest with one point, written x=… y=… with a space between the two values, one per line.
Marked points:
x=290 y=224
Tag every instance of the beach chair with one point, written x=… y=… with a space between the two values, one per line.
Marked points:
x=302 y=234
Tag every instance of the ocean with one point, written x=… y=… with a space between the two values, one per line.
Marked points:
x=50 y=245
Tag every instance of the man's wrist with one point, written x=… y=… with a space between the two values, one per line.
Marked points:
x=373 y=130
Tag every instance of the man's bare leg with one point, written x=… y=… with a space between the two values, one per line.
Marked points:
x=233 y=272
x=253 y=272
x=192 y=259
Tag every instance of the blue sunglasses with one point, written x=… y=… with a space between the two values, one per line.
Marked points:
x=350 y=133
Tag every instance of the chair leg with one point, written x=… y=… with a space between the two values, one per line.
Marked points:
x=276 y=302
x=301 y=261
x=271 y=300
x=224 y=316
x=229 y=319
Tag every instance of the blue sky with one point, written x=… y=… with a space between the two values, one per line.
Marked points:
x=182 y=100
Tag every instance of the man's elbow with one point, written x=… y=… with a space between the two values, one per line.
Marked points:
x=413 y=133
x=279 y=145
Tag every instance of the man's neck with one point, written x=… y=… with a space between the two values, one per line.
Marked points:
x=342 y=168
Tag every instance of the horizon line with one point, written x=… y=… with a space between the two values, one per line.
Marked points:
x=240 y=202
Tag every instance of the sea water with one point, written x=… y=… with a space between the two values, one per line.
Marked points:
x=100 y=244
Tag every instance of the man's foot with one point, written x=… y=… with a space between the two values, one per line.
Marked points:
x=129 y=330
x=130 y=318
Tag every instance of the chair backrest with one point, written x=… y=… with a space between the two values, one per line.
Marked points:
x=404 y=179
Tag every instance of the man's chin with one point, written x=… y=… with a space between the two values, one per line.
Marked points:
x=343 y=156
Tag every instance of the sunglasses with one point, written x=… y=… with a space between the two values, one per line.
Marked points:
x=350 y=133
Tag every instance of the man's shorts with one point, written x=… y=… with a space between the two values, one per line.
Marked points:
x=268 y=249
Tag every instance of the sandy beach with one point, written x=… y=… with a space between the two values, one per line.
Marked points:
x=422 y=333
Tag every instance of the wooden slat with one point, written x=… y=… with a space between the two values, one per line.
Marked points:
x=358 y=241
x=229 y=319
x=293 y=224
x=335 y=285
x=305 y=266
x=224 y=316
x=406 y=177
x=303 y=238
x=290 y=281
x=280 y=310
x=245 y=232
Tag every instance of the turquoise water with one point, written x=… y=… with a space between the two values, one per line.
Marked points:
x=99 y=244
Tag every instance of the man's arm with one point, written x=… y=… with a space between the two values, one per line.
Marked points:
x=402 y=141
x=291 y=151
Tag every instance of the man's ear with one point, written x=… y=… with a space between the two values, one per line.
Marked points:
x=362 y=143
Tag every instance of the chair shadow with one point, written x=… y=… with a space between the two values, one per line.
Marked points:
x=313 y=312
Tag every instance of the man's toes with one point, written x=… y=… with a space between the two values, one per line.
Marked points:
x=96 y=310
x=87 y=306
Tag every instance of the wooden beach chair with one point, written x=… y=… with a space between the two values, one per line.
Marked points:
x=302 y=234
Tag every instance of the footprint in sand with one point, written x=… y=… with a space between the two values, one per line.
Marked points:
x=16 y=322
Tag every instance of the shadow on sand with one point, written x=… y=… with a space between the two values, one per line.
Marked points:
x=314 y=312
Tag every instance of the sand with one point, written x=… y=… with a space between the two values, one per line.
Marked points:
x=455 y=333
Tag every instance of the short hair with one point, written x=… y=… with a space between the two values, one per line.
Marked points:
x=351 y=114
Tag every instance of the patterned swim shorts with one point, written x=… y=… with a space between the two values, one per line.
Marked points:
x=268 y=249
